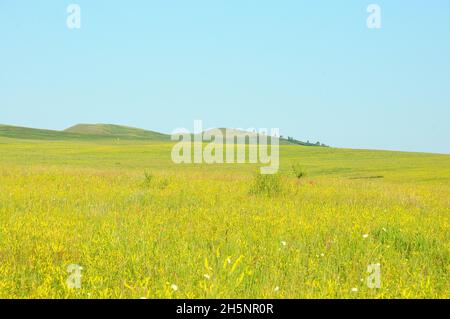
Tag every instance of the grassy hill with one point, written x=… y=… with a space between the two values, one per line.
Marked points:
x=84 y=132
x=247 y=134
x=37 y=134
x=116 y=131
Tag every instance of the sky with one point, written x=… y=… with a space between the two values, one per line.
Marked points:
x=312 y=68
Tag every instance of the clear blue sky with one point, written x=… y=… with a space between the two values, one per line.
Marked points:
x=311 y=68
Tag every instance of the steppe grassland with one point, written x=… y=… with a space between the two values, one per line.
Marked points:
x=202 y=228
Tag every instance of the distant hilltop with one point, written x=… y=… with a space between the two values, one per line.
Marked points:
x=110 y=132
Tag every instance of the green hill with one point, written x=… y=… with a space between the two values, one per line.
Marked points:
x=108 y=132
x=82 y=132
x=116 y=131
x=36 y=134
x=247 y=134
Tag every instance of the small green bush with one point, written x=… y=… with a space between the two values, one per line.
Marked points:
x=298 y=171
x=155 y=182
x=147 y=179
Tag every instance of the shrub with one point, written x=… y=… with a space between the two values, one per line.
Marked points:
x=298 y=171
x=163 y=183
x=155 y=182
x=147 y=179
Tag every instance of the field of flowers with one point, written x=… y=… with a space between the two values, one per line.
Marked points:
x=141 y=226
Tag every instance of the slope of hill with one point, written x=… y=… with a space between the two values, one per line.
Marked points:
x=117 y=131
x=82 y=132
x=111 y=131
x=240 y=133
x=36 y=134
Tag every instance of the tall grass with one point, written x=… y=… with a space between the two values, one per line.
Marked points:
x=266 y=185
x=218 y=231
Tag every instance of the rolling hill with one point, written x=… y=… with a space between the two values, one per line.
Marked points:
x=116 y=131
x=83 y=132
x=19 y=132
x=240 y=133
x=108 y=132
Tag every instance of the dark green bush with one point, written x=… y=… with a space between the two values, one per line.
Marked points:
x=298 y=171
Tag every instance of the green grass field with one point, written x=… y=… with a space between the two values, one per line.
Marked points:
x=139 y=224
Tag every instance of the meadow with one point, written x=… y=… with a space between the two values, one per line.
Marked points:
x=143 y=227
